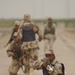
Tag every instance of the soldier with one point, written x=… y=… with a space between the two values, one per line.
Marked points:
x=27 y=33
x=14 y=51
x=50 y=66
x=49 y=34
x=17 y=24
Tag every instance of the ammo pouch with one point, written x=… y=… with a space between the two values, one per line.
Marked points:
x=17 y=53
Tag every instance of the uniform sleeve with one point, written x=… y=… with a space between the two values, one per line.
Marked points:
x=38 y=31
x=38 y=65
x=35 y=28
x=9 y=50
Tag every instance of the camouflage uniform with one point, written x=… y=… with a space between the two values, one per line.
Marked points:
x=49 y=35
x=14 y=50
x=29 y=44
x=49 y=68
x=54 y=68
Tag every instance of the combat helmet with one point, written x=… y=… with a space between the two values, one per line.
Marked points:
x=17 y=23
x=27 y=17
x=49 y=52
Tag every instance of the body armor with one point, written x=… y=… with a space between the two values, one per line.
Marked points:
x=17 y=50
x=28 y=33
x=52 y=30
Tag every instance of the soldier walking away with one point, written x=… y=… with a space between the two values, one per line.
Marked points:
x=49 y=34
x=15 y=29
x=15 y=52
x=29 y=46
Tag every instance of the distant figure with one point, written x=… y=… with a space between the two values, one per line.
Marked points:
x=17 y=24
x=49 y=34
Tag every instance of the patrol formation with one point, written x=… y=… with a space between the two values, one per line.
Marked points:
x=24 y=48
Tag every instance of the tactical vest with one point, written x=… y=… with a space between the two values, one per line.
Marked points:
x=17 y=50
x=28 y=33
x=46 y=72
x=52 y=30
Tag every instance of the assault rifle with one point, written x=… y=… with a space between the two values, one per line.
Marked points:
x=18 y=60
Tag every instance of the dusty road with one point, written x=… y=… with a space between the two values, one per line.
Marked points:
x=63 y=54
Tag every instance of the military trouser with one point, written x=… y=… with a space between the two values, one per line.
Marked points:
x=30 y=53
x=14 y=67
x=30 y=56
x=49 y=41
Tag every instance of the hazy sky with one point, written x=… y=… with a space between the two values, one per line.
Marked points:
x=37 y=8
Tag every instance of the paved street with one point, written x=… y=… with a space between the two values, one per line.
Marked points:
x=63 y=54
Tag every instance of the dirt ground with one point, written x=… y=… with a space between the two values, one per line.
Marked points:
x=5 y=36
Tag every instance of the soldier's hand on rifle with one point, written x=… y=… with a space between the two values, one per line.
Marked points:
x=44 y=64
x=12 y=54
x=20 y=59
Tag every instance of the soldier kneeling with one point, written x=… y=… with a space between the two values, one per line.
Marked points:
x=14 y=51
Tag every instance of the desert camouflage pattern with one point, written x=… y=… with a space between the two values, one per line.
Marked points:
x=55 y=65
x=29 y=45
x=49 y=38
x=15 y=64
x=30 y=49
x=57 y=68
x=30 y=56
